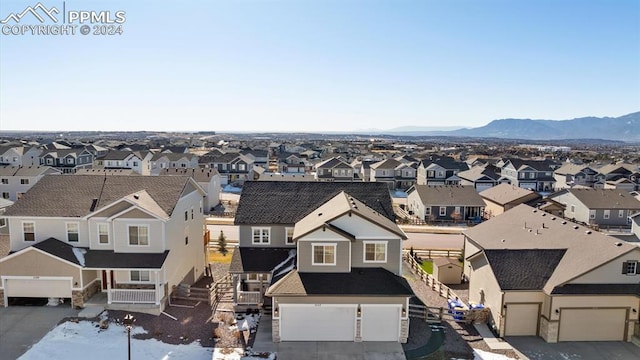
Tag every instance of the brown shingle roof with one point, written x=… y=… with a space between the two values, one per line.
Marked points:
x=505 y=193
x=73 y=195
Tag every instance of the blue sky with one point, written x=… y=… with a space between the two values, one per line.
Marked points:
x=331 y=65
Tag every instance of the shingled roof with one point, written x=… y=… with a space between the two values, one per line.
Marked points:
x=448 y=195
x=523 y=269
x=505 y=193
x=74 y=195
x=102 y=258
x=281 y=202
x=604 y=198
x=360 y=282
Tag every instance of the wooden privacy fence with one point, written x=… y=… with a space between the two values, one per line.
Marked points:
x=214 y=294
x=433 y=253
x=433 y=314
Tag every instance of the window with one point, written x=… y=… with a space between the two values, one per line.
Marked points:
x=139 y=275
x=70 y=161
x=430 y=173
x=261 y=235
x=620 y=213
x=607 y=214
x=103 y=233
x=73 y=232
x=5 y=181
x=532 y=175
x=592 y=214
x=49 y=161
x=443 y=211
x=253 y=277
x=5 y=195
x=191 y=214
x=440 y=174
x=324 y=254
x=29 y=231
x=630 y=268
x=289 y=235
x=186 y=240
x=573 y=208
x=241 y=167
x=3 y=222
x=139 y=235
x=427 y=211
x=186 y=215
x=375 y=251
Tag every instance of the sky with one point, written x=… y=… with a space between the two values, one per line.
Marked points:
x=320 y=65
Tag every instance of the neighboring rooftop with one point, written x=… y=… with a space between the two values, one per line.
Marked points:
x=503 y=194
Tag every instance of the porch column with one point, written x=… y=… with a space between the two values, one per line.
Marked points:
x=108 y=275
x=261 y=288
x=157 y=276
x=235 y=289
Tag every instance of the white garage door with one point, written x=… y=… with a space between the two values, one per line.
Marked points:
x=380 y=323
x=592 y=324
x=522 y=320
x=38 y=287
x=317 y=323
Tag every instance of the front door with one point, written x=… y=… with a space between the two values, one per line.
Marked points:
x=104 y=279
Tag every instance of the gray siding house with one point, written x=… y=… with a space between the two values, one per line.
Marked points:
x=601 y=207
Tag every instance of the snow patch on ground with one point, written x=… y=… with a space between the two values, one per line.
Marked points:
x=239 y=354
x=82 y=340
x=485 y=355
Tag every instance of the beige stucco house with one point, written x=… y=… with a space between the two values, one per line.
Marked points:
x=543 y=276
x=131 y=238
x=503 y=197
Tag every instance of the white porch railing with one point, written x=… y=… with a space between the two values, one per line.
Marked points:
x=133 y=296
x=249 y=298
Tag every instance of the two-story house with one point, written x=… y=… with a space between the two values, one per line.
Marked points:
x=384 y=171
x=67 y=160
x=441 y=170
x=138 y=161
x=620 y=176
x=542 y=276
x=232 y=166
x=328 y=253
x=536 y=175
x=19 y=155
x=570 y=175
x=209 y=180
x=481 y=177
x=445 y=203
x=334 y=169
x=602 y=207
x=172 y=160
x=15 y=181
x=128 y=239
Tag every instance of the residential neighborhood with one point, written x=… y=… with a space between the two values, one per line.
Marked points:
x=316 y=234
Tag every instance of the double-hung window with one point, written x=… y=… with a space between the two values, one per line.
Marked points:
x=261 y=235
x=73 y=232
x=375 y=251
x=324 y=254
x=140 y=276
x=443 y=211
x=29 y=231
x=289 y=236
x=103 y=233
x=139 y=235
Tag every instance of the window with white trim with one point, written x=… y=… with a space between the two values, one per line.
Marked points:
x=138 y=235
x=73 y=232
x=24 y=181
x=3 y=222
x=630 y=267
x=375 y=251
x=261 y=235
x=607 y=214
x=443 y=211
x=5 y=195
x=29 y=231
x=323 y=254
x=592 y=214
x=289 y=236
x=427 y=211
x=4 y=181
x=103 y=233
x=139 y=276
x=620 y=213
x=254 y=277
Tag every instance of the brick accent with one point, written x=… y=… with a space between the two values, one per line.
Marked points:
x=404 y=330
x=549 y=330
x=80 y=296
x=358 y=330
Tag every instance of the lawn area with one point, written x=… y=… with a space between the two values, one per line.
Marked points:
x=216 y=256
x=427 y=265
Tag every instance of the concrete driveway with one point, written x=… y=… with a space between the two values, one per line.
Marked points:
x=23 y=326
x=537 y=349
x=325 y=350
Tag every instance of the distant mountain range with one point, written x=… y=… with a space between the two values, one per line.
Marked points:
x=624 y=128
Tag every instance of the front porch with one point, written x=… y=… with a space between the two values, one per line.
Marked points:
x=130 y=290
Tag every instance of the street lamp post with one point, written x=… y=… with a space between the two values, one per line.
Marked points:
x=128 y=324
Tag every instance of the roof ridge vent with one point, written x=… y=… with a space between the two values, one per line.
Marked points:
x=575 y=227
x=588 y=232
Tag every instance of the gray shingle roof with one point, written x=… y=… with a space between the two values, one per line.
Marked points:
x=448 y=195
x=201 y=175
x=605 y=198
x=257 y=259
x=280 y=202
x=358 y=282
x=523 y=269
x=73 y=195
x=103 y=258
x=594 y=289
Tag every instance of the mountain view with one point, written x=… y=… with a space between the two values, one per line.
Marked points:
x=623 y=128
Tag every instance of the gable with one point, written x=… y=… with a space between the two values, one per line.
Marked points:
x=611 y=272
x=135 y=213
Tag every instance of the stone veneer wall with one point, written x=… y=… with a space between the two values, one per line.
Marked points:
x=80 y=296
x=275 y=330
x=1 y=298
x=549 y=330
x=404 y=330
